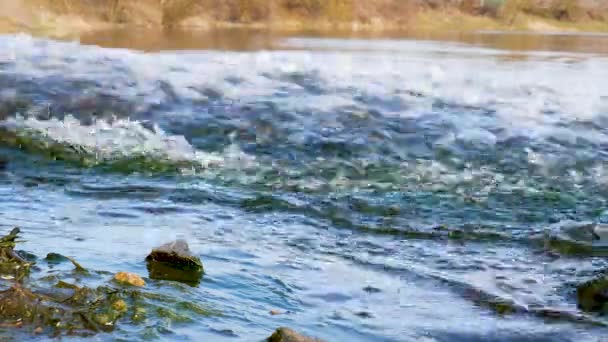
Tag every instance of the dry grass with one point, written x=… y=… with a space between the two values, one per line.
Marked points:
x=248 y=11
x=517 y=20
x=367 y=12
x=442 y=21
x=461 y=15
x=561 y=10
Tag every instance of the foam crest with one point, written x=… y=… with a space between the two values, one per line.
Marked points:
x=123 y=139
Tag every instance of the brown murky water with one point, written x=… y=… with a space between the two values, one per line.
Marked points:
x=248 y=39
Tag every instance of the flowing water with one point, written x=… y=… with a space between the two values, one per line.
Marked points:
x=373 y=190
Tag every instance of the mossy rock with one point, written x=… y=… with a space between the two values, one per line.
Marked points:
x=176 y=254
x=287 y=335
x=61 y=304
x=80 y=311
x=12 y=264
x=174 y=261
x=55 y=258
x=129 y=279
x=592 y=296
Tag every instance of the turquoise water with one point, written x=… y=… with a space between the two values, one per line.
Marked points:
x=373 y=190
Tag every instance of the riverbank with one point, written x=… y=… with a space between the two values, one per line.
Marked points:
x=72 y=18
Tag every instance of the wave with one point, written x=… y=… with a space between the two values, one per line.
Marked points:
x=310 y=121
x=121 y=144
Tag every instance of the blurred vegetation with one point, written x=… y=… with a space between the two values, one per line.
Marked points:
x=376 y=14
x=563 y=10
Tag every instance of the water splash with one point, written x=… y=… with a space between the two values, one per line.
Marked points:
x=119 y=142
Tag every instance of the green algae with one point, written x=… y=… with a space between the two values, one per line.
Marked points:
x=197 y=309
x=49 y=304
x=172 y=315
x=37 y=143
x=592 y=296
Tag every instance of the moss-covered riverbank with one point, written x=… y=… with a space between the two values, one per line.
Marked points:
x=73 y=17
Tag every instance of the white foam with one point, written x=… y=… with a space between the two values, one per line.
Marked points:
x=540 y=96
x=520 y=92
x=123 y=139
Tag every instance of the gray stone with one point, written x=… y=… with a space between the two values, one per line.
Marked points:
x=174 y=261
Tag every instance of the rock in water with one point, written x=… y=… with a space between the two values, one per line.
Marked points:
x=55 y=258
x=12 y=265
x=129 y=278
x=593 y=295
x=176 y=253
x=174 y=261
x=288 y=335
x=8 y=241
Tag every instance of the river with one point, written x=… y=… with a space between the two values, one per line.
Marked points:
x=387 y=188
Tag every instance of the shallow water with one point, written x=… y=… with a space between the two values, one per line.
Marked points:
x=375 y=190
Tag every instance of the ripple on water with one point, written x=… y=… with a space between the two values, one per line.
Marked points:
x=361 y=190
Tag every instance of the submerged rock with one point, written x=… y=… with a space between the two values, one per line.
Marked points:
x=287 y=335
x=20 y=304
x=77 y=266
x=55 y=258
x=576 y=238
x=592 y=296
x=174 y=261
x=129 y=278
x=120 y=305
x=62 y=308
x=51 y=305
x=69 y=309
